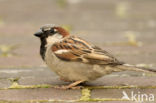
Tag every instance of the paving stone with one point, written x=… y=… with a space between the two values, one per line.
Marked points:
x=139 y=81
x=103 y=102
x=104 y=81
x=25 y=72
x=70 y=102
x=99 y=22
x=118 y=93
x=4 y=83
x=109 y=102
x=31 y=76
x=2 y=101
x=38 y=75
x=39 y=94
x=120 y=102
x=52 y=80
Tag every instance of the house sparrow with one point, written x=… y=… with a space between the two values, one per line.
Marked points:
x=75 y=59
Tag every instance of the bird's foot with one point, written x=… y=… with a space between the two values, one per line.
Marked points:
x=72 y=85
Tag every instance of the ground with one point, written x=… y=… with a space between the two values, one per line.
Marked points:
x=124 y=28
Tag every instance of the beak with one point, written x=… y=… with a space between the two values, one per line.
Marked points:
x=39 y=33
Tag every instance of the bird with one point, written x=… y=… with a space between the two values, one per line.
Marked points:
x=75 y=60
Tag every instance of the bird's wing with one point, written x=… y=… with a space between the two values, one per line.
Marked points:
x=76 y=49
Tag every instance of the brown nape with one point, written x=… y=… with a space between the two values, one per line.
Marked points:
x=62 y=31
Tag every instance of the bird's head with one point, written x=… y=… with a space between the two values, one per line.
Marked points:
x=51 y=33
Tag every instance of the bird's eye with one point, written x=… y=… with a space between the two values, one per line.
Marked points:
x=53 y=31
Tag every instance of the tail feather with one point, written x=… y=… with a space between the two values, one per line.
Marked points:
x=135 y=68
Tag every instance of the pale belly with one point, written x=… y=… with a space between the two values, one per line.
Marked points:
x=73 y=71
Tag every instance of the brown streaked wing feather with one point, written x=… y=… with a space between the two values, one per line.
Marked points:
x=99 y=58
x=111 y=59
x=68 y=44
x=82 y=51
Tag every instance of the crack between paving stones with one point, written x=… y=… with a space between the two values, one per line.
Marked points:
x=15 y=85
x=85 y=92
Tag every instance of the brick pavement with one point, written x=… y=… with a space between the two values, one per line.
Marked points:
x=120 y=26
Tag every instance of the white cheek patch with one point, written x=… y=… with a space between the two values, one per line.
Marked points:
x=61 y=51
x=54 y=38
x=51 y=40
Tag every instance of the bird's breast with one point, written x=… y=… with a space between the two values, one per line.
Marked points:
x=72 y=71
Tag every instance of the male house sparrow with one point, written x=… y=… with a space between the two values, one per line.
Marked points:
x=76 y=60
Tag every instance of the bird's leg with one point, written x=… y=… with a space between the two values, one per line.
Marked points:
x=72 y=85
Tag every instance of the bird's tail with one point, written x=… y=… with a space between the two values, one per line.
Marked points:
x=135 y=68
